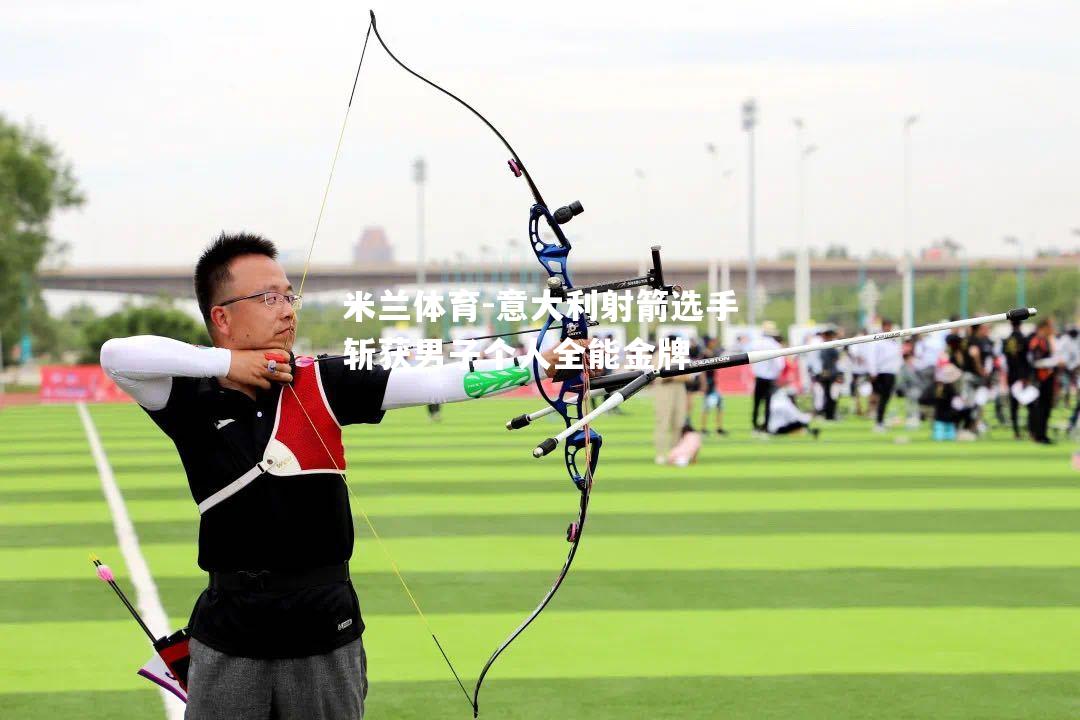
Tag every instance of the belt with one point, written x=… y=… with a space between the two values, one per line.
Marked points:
x=271 y=581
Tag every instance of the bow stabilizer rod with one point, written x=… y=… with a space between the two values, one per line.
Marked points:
x=633 y=382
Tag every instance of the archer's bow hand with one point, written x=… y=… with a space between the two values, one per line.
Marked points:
x=252 y=367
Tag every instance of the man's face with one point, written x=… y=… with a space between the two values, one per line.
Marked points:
x=251 y=323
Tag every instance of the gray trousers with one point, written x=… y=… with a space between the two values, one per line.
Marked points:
x=319 y=687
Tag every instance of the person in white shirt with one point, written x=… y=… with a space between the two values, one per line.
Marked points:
x=765 y=374
x=857 y=355
x=1069 y=348
x=786 y=418
x=883 y=360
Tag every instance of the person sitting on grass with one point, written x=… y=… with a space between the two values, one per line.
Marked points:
x=786 y=419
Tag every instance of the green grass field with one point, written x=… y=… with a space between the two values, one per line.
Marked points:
x=851 y=577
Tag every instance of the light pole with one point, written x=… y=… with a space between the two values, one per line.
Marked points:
x=420 y=177
x=749 y=121
x=964 y=285
x=802 y=253
x=643 y=327
x=907 y=268
x=1021 y=289
x=714 y=281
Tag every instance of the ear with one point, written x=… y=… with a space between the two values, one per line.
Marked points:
x=219 y=321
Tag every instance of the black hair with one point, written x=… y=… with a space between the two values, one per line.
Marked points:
x=212 y=270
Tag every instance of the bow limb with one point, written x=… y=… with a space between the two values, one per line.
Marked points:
x=552 y=256
x=355 y=500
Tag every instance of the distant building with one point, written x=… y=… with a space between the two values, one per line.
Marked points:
x=943 y=249
x=373 y=247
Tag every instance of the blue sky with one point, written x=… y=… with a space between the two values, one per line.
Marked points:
x=183 y=121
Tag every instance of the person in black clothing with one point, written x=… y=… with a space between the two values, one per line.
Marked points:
x=277 y=633
x=1017 y=369
x=981 y=368
x=829 y=374
x=1041 y=352
x=765 y=374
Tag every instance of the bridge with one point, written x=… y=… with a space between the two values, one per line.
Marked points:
x=774 y=276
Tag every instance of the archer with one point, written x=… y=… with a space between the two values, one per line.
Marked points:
x=278 y=630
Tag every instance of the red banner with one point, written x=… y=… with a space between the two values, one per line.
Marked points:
x=78 y=383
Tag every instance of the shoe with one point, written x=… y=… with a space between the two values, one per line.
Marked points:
x=814 y=432
x=721 y=431
x=661 y=460
x=879 y=428
x=1045 y=441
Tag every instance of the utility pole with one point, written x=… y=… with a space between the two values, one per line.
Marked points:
x=907 y=268
x=1021 y=290
x=420 y=177
x=802 y=253
x=643 y=327
x=749 y=121
x=714 y=280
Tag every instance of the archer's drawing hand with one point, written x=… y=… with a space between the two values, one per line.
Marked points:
x=251 y=367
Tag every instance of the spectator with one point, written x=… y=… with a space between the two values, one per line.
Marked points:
x=785 y=418
x=883 y=359
x=694 y=385
x=857 y=355
x=1044 y=361
x=1017 y=370
x=1069 y=349
x=669 y=398
x=765 y=374
x=828 y=374
x=713 y=399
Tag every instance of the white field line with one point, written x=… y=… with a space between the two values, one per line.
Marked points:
x=147 y=599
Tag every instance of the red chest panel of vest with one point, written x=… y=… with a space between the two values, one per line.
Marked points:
x=306 y=437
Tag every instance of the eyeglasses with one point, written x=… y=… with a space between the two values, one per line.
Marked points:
x=270 y=299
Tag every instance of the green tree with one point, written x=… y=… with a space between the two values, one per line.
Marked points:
x=157 y=318
x=35 y=182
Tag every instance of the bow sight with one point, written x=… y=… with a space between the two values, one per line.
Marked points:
x=654 y=279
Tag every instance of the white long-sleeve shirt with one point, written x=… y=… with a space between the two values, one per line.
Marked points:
x=143 y=366
x=783 y=412
x=768 y=369
x=1069 y=349
x=928 y=349
x=884 y=357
